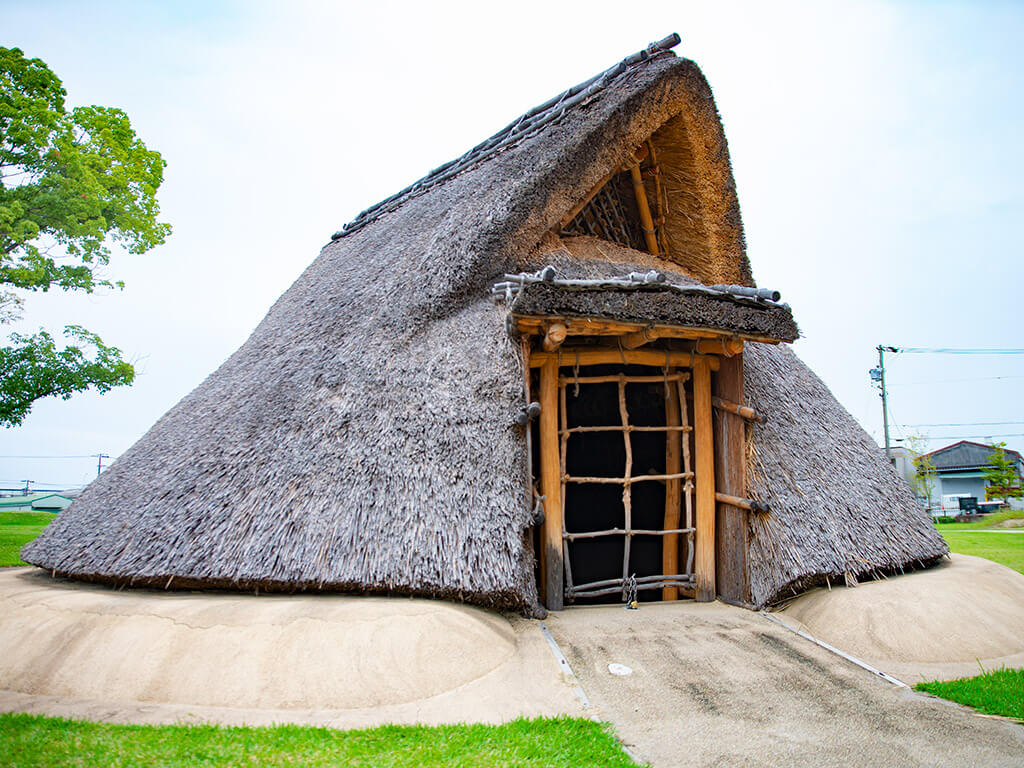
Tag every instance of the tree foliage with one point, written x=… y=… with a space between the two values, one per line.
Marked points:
x=72 y=183
x=1002 y=480
x=924 y=468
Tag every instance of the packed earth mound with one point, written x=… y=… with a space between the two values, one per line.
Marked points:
x=936 y=624
x=72 y=649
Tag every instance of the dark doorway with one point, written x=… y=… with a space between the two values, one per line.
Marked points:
x=601 y=408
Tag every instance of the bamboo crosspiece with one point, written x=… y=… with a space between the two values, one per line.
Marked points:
x=678 y=430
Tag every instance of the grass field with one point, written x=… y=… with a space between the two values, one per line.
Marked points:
x=1000 y=692
x=16 y=530
x=1003 y=548
x=30 y=740
x=1009 y=520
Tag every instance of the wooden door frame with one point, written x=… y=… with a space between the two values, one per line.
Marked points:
x=552 y=542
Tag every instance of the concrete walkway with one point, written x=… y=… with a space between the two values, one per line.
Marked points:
x=713 y=685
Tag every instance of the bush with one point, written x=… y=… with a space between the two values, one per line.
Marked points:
x=945 y=519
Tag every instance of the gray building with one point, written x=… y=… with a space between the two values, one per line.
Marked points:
x=959 y=467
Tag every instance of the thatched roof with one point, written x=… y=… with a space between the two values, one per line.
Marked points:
x=838 y=508
x=362 y=438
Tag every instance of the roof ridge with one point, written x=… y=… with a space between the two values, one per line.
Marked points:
x=525 y=125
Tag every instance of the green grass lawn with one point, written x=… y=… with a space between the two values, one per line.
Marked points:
x=1003 y=548
x=995 y=520
x=31 y=740
x=16 y=530
x=1000 y=692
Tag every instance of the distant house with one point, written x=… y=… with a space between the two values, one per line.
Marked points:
x=903 y=461
x=35 y=502
x=958 y=469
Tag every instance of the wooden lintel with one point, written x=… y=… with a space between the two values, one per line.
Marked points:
x=740 y=410
x=592 y=326
x=637 y=339
x=658 y=358
x=727 y=347
x=554 y=336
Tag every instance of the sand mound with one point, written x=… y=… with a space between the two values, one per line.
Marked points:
x=403 y=659
x=938 y=623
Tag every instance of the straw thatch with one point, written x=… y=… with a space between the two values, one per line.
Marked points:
x=838 y=509
x=363 y=437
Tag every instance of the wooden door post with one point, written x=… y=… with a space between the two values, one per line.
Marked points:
x=704 y=564
x=551 y=486
x=732 y=529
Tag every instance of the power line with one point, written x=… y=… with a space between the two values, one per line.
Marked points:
x=949 y=381
x=90 y=456
x=970 y=437
x=963 y=423
x=21 y=484
x=951 y=351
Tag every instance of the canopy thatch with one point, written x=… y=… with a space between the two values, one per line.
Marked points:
x=363 y=437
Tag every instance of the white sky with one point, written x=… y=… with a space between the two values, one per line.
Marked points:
x=876 y=147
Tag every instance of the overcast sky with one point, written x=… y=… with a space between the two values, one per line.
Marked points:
x=876 y=146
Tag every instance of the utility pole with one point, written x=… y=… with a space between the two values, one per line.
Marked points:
x=28 y=487
x=878 y=376
x=101 y=456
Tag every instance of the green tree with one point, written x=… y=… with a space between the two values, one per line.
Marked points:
x=1002 y=480
x=71 y=184
x=924 y=468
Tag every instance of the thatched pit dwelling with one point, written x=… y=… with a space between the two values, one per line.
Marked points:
x=376 y=433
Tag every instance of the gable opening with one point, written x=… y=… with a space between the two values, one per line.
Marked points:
x=658 y=201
